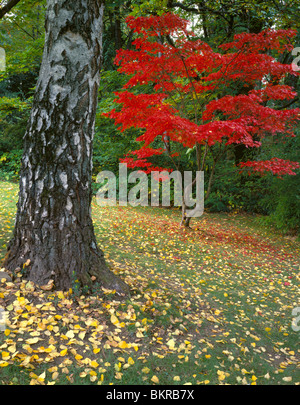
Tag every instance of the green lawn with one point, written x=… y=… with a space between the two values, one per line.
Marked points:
x=212 y=305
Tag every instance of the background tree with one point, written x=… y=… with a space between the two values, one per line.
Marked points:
x=190 y=98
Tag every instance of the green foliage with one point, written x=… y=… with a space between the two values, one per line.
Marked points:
x=10 y=165
x=233 y=191
x=22 y=37
x=14 y=115
x=149 y=7
x=286 y=215
x=283 y=199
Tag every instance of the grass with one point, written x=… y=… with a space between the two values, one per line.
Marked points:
x=212 y=305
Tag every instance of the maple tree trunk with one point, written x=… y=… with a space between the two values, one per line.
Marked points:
x=54 y=228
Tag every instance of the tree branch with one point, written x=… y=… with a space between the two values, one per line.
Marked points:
x=201 y=8
x=6 y=9
x=288 y=104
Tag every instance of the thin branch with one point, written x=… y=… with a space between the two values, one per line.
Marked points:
x=195 y=10
x=26 y=32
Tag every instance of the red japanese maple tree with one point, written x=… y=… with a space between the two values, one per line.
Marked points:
x=199 y=97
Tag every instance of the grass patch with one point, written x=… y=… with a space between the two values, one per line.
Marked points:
x=212 y=305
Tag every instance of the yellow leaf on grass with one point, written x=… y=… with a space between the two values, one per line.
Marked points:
x=155 y=379
x=171 y=344
x=5 y=355
x=55 y=375
x=12 y=349
x=70 y=334
x=41 y=377
x=123 y=345
x=145 y=370
x=31 y=341
x=114 y=320
x=63 y=352
x=82 y=335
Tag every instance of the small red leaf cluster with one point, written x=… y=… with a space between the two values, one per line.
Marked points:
x=276 y=166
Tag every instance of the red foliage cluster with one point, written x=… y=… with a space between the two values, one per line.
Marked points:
x=184 y=71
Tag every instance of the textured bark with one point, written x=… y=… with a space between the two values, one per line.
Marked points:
x=53 y=226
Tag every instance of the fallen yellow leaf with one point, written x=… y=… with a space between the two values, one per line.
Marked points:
x=48 y=286
x=130 y=361
x=123 y=345
x=54 y=375
x=114 y=320
x=70 y=334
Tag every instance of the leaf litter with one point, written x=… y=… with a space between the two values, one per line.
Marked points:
x=212 y=305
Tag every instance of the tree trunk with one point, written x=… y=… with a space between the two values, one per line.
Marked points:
x=54 y=229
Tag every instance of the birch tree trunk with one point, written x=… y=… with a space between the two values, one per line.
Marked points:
x=53 y=225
